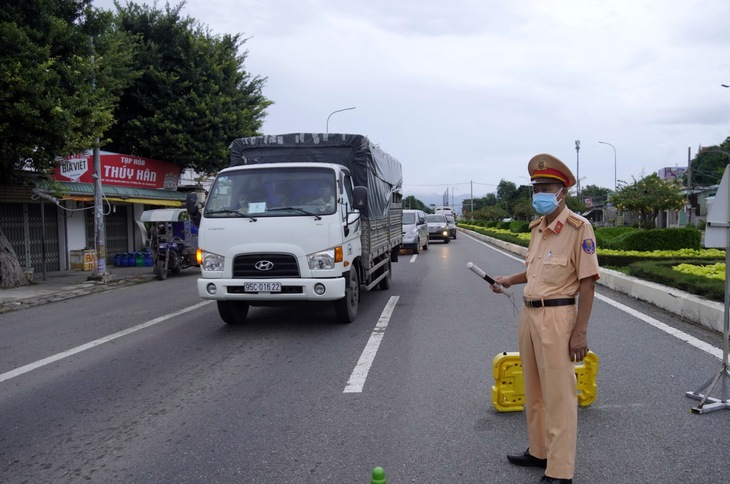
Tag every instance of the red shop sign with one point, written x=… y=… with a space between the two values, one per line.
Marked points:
x=119 y=170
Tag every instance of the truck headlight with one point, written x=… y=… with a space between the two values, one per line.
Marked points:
x=211 y=261
x=322 y=260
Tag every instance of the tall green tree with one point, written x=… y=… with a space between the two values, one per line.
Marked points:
x=413 y=203
x=61 y=70
x=62 y=66
x=194 y=95
x=709 y=164
x=647 y=197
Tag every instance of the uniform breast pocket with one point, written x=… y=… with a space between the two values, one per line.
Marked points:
x=555 y=271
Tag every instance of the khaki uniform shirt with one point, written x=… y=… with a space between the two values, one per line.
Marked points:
x=559 y=256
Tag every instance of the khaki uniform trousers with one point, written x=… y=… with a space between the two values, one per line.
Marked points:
x=551 y=402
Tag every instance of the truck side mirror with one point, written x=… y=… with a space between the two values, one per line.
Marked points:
x=191 y=204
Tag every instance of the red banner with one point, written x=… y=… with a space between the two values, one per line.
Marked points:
x=120 y=170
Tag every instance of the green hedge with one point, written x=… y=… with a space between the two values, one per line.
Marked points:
x=661 y=272
x=519 y=227
x=625 y=238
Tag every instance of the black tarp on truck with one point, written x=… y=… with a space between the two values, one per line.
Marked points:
x=369 y=166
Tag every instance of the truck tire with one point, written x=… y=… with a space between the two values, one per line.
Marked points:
x=417 y=248
x=346 y=308
x=384 y=283
x=425 y=247
x=233 y=312
x=394 y=254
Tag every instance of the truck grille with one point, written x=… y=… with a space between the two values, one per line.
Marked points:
x=280 y=265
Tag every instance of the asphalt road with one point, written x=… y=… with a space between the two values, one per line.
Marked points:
x=182 y=397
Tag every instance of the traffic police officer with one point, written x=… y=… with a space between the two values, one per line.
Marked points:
x=561 y=264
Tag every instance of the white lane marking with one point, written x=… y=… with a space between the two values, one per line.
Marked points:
x=413 y=258
x=691 y=340
x=360 y=373
x=697 y=343
x=65 y=354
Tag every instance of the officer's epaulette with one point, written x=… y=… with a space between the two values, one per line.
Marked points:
x=574 y=221
x=534 y=223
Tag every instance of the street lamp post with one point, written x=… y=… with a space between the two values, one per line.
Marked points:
x=577 y=172
x=614 y=164
x=327 y=129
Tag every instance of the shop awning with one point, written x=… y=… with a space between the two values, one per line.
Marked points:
x=84 y=192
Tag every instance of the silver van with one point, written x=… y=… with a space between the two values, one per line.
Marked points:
x=415 y=230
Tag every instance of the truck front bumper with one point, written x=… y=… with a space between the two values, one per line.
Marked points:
x=291 y=290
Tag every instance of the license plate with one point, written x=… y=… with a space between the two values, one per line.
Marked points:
x=262 y=286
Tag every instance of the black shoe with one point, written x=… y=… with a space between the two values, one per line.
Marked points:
x=526 y=459
x=553 y=480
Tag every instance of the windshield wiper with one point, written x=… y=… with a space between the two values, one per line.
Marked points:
x=296 y=209
x=232 y=212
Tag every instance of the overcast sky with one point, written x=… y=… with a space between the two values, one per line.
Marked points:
x=469 y=90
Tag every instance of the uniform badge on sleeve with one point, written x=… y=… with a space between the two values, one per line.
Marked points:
x=589 y=247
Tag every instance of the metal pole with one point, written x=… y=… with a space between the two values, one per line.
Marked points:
x=327 y=128
x=99 y=214
x=614 y=164
x=577 y=173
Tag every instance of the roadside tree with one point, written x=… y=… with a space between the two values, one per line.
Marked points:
x=709 y=164
x=647 y=197
x=412 y=203
x=194 y=96
x=62 y=68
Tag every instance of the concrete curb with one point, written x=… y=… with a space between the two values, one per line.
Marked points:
x=709 y=314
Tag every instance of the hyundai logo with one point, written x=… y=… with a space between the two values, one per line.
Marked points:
x=264 y=265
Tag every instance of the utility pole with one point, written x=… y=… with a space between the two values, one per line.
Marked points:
x=99 y=233
x=577 y=172
x=689 y=185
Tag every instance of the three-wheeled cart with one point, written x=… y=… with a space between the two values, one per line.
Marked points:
x=173 y=240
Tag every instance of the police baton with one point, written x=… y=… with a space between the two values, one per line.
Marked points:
x=476 y=270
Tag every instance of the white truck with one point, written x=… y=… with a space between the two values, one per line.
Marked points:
x=306 y=217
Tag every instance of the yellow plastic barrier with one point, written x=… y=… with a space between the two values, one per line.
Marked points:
x=508 y=392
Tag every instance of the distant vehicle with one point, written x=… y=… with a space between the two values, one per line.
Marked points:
x=444 y=210
x=438 y=227
x=452 y=226
x=415 y=230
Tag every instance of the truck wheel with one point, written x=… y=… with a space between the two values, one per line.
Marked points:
x=160 y=270
x=394 y=255
x=233 y=312
x=346 y=308
x=384 y=283
x=425 y=247
x=417 y=248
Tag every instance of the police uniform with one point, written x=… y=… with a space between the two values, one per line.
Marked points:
x=559 y=255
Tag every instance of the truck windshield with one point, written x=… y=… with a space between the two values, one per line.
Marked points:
x=273 y=192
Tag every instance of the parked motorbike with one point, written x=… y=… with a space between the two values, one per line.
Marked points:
x=173 y=239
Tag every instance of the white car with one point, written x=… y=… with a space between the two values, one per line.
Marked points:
x=415 y=231
x=438 y=227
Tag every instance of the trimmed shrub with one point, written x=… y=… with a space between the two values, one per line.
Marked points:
x=612 y=237
x=519 y=227
x=661 y=272
x=662 y=239
x=503 y=225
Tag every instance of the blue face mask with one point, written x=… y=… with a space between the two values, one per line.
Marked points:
x=545 y=203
